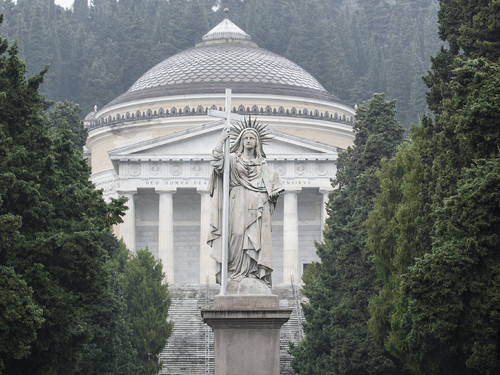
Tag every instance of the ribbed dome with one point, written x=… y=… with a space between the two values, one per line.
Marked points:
x=225 y=59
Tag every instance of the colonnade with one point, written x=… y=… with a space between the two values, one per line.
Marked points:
x=207 y=267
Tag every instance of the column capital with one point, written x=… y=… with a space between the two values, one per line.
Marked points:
x=127 y=192
x=293 y=189
x=166 y=190
x=324 y=190
x=202 y=190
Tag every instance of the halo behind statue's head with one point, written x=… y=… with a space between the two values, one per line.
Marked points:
x=258 y=128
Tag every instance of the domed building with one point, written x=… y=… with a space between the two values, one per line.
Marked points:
x=153 y=143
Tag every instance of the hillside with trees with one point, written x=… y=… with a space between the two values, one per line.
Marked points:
x=353 y=47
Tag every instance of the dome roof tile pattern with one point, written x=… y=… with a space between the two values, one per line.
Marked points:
x=220 y=62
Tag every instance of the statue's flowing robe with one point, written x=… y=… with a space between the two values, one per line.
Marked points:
x=250 y=209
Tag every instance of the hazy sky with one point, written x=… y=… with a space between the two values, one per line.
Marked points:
x=64 y=3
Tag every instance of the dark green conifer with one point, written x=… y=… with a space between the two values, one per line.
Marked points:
x=339 y=288
x=56 y=221
x=434 y=226
x=148 y=303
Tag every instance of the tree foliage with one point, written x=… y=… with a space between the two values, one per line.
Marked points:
x=66 y=116
x=20 y=318
x=64 y=288
x=338 y=289
x=109 y=350
x=148 y=302
x=434 y=227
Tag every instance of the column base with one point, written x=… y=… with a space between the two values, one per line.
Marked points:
x=246 y=334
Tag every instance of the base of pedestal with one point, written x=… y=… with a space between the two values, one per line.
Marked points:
x=246 y=334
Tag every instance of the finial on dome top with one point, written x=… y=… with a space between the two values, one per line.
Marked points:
x=225 y=32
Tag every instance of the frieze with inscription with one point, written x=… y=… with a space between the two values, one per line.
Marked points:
x=176 y=182
x=196 y=173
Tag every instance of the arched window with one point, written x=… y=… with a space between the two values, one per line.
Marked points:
x=149 y=113
x=255 y=109
x=306 y=112
x=138 y=114
x=110 y=118
x=241 y=109
x=186 y=109
x=161 y=111
x=127 y=115
x=269 y=109
x=173 y=110
x=200 y=109
x=294 y=111
x=316 y=113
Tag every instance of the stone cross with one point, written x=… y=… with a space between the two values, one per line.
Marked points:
x=228 y=116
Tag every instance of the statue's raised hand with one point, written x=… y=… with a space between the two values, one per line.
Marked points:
x=224 y=135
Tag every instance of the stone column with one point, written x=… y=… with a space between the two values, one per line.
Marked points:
x=291 y=264
x=166 y=233
x=127 y=228
x=324 y=213
x=207 y=264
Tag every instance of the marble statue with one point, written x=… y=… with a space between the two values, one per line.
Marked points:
x=253 y=194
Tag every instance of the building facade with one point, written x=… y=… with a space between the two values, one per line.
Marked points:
x=153 y=145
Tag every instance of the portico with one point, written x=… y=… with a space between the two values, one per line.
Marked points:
x=169 y=202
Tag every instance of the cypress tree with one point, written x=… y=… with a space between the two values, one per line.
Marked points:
x=434 y=229
x=57 y=219
x=148 y=302
x=339 y=287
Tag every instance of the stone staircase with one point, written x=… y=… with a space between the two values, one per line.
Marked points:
x=190 y=349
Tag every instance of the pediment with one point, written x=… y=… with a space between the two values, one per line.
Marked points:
x=197 y=144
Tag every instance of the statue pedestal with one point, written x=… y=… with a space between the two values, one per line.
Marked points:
x=246 y=333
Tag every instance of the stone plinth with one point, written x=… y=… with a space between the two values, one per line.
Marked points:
x=246 y=333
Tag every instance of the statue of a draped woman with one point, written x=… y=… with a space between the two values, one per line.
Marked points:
x=253 y=194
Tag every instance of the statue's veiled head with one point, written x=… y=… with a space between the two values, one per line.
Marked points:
x=238 y=146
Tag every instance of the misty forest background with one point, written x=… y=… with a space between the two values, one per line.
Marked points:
x=353 y=47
